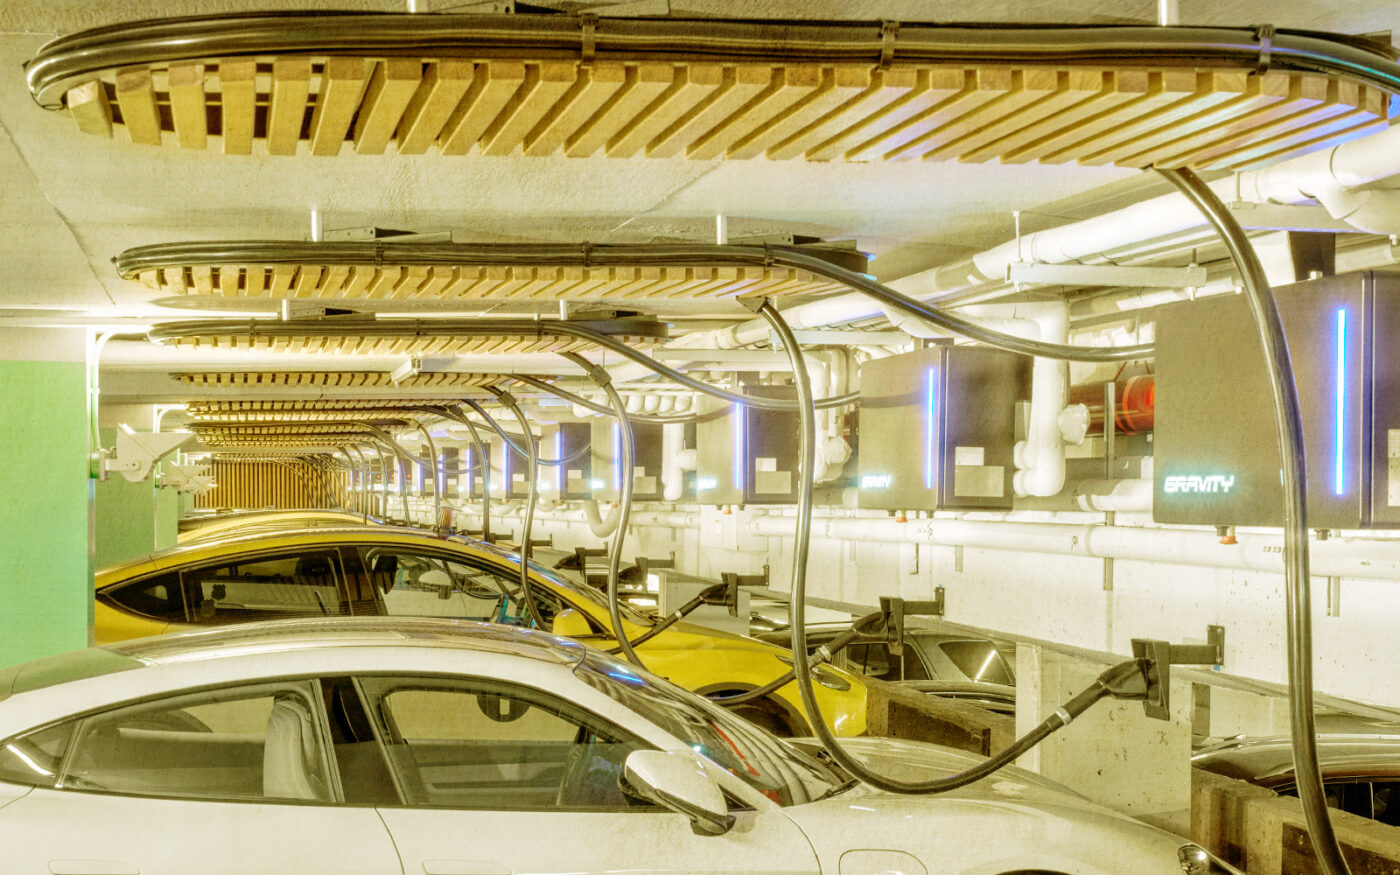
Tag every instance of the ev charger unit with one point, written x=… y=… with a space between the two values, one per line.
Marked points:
x=747 y=455
x=937 y=428
x=606 y=460
x=1216 y=459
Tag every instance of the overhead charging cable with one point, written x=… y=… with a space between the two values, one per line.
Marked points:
x=1127 y=680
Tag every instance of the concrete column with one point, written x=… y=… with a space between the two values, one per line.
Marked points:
x=1113 y=753
x=45 y=549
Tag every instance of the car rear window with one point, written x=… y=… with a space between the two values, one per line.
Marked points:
x=71 y=666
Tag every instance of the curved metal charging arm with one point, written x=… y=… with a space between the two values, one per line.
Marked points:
x=527 y=590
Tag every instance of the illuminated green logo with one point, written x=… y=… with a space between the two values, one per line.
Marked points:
x=1211 y=483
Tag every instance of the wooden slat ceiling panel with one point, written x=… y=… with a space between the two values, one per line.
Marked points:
x=1172 y=117
x=327 y=409
x=371 y=345
x=331 y=379
x=423 y=282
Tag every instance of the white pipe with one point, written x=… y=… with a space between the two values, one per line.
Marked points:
x=1114 y=495
x=567 y=516
x=600 y=526
x=1334 y=557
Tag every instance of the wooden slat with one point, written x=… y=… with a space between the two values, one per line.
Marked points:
x=411 y=281
x=544 y=85
x=308 y=277
x=1054 y=92
x=87 y=104
x=237 y=98
x=255 y=280
x=1191 y=91
x=691 y=86
x=994 y=91
x=391 y=87
x=645 y=82
x=1164 y=89
x=1284 y=93
x=384 y=281
x=591 y=91
x=837 y=86
x=1343 y=96
x=886 y=87
x=439 y=279
x=1227 y=98
x=137 y=98
x=334 y=280
x=1115 y=89
x=174 y=279
x=282 y=275
x=291 y=85
x=1368 y=118
x=432 y=104
x=229 y=276
x=360 y=278
x=343 y=82
x=948 y=88
x=1314 y=101
x=790 y=85
x=491 y=90
x=187 y=108
x=738 y=86
x=203 y=277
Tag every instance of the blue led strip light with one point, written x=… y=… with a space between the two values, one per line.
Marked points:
x=738 y=460
x=928 y=428
x=617 y=457
x=1339 y=436
x=559 y=454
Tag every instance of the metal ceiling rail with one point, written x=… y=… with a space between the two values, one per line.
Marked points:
x=864 y=91
x=70 y=59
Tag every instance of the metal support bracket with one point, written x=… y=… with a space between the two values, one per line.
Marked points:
x=893 y=610
x=1164 y=654
x=732 y=581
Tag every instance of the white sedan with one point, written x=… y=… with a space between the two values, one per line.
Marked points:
x=428 y=746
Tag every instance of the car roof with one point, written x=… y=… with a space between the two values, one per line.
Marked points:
x=311 y=633
x=1269 y=759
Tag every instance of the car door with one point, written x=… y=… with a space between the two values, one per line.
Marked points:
x=419 y=583
x=502 y=778
x=220 y=782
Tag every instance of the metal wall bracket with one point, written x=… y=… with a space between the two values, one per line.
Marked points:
x=895 y=609
x=1163 y=654
x=733 y=581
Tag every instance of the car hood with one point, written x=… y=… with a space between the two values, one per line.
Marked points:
x=1012 y=818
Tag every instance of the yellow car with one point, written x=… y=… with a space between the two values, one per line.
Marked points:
x=248 y=522
x=373 y=570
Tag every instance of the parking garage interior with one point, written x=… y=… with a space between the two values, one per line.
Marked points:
x=1005 y=347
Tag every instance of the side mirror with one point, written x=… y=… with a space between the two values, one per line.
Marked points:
x=571 y=624
x=678 y=782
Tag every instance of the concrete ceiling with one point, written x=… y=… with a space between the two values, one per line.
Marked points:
x=72 y=202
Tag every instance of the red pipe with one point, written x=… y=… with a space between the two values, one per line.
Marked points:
x=1135 y=400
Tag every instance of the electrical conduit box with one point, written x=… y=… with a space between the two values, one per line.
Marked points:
x=937 y=428
x=1216 y=459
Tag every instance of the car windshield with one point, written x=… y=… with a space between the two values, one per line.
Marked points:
x=588 y=593
x=750 y=753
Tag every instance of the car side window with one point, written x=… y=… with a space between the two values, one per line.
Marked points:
x=260 y=742
x=875 y=659
x=416 y=584
x=979 y=660
x=158 y=596
x=301 y=583
x=489 y=745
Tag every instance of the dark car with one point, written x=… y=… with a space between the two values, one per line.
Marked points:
x=1360 y=773
x=928 y=656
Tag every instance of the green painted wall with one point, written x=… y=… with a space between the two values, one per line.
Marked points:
x=45 y=579
x=133 y=519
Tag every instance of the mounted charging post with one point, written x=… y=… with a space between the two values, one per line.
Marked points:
x=1162 y=655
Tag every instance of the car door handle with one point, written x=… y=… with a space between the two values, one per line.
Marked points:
x=463 y=867
x=92 y=867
